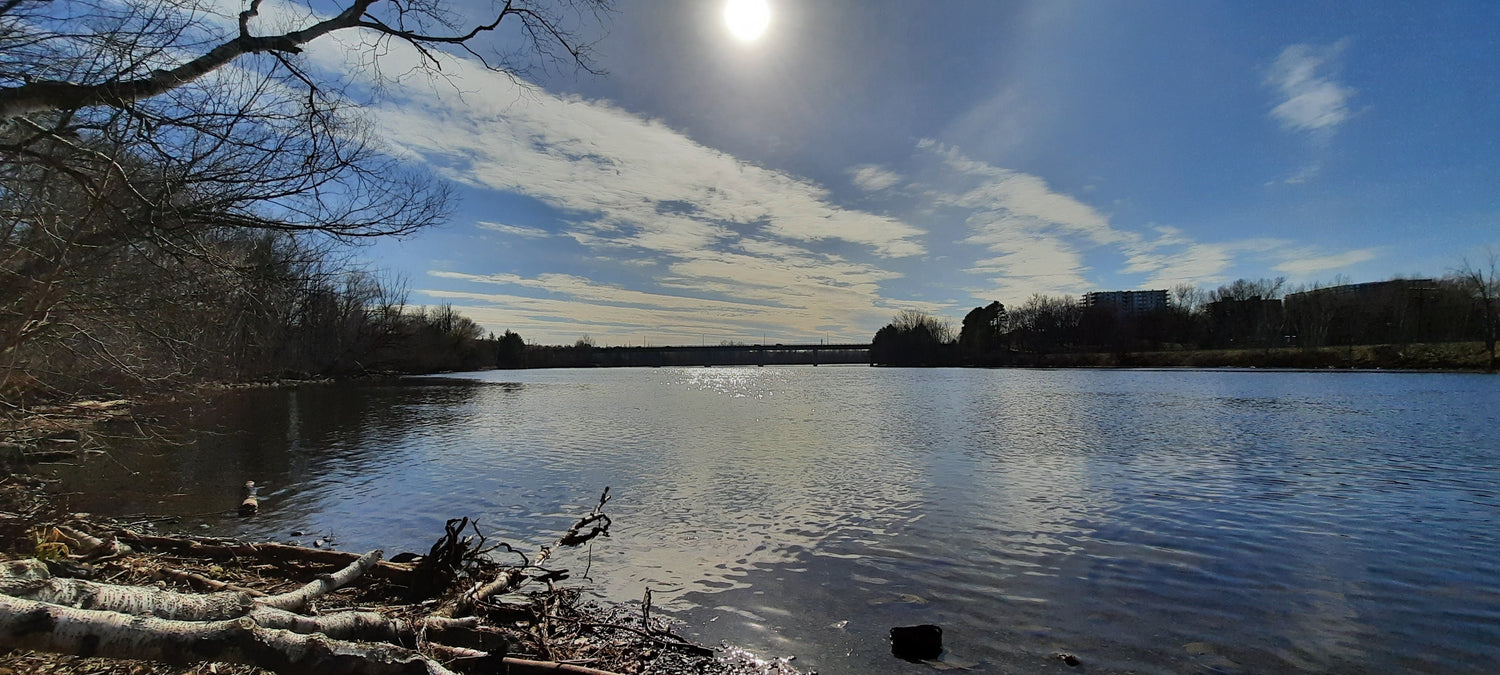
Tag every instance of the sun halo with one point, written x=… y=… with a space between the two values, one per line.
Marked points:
x=747 y=19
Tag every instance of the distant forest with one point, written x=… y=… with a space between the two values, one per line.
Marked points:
x=1245 y=315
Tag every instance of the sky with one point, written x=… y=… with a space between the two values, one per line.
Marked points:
x=863 y=157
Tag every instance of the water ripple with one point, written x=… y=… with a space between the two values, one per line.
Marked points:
x=1144 y=520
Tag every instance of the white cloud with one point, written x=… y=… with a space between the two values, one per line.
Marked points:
x=514 y=230
x=645 y=184
x=1023 y=199
x=793 y=297
x=729 y=242
x=1034 y=235
x=706 y=243
x=1306 y=264
x=1309 y=97
x=873 y=178
x=1304 y=174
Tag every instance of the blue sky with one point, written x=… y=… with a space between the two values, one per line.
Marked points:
x=865 y=157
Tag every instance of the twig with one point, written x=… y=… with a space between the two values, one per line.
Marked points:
x=695 y=649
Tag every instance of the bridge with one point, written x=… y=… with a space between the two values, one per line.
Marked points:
x=732 y=355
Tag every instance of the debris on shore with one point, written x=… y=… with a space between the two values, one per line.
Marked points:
x=81 y=595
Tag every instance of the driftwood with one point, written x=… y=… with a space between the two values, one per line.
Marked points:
x=201 y=582
x=471 y=632
x=28 y=624
x=511 y=579
x=75 y=616
x=269 y=552
x=528 y=667
x=250 y=505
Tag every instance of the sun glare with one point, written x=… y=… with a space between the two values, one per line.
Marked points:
x=747 y=19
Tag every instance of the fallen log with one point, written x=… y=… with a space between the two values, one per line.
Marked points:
x=269 y=552
x=236 y=624
x=29 y=579
x=88 y=546
x=39 y=626
x=80 y=617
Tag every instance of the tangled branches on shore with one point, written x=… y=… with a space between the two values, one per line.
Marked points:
x=294 y=610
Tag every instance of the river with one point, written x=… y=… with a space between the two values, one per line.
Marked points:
x=1154 y=521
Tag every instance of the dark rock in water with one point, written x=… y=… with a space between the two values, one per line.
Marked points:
x=917 y=643
x=299 y=533
x=1067 y=658
x=405 y=557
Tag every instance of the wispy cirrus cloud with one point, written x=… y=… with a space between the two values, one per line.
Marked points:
x=1171 y=258
x=1034 y=235
x=514 y=230
x=1037 y=239
x=702 y=226
x=786 y=296
x=702 y=243
x=1306 y=263
x=1309 y=98
x=873 y=178
x=632 y=179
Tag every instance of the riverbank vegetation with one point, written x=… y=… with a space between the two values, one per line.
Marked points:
x=1444 y=323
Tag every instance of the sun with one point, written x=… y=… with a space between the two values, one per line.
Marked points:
x=747 y=19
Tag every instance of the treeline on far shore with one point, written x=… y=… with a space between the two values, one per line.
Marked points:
x=1449 y=322
x=243 y=308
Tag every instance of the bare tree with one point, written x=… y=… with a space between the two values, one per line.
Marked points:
x=1189 y=298
x=1245 y=289
x=1482 y=282
x=146 y=133
x=134 y=50
x=908 y=320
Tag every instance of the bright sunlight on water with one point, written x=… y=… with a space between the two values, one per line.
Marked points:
x=1152 y=521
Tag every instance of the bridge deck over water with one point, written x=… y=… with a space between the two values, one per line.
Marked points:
x=732 y=355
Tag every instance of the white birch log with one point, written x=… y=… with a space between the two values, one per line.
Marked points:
x=30 y=580
x=133 y=600
x=338 y=625
x=325 y=583
x=27 y=624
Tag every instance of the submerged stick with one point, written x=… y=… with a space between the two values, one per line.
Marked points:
x=250 y=505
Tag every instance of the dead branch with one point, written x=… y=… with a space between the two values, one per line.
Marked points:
x=451 y=555
x=528 y=667
x=510 y=579
x=199 y=581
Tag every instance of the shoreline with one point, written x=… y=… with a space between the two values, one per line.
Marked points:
x=1455 y=357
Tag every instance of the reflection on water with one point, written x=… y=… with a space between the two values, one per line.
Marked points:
x=1148 y=521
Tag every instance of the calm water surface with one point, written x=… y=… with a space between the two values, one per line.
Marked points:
x=1199 y=521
